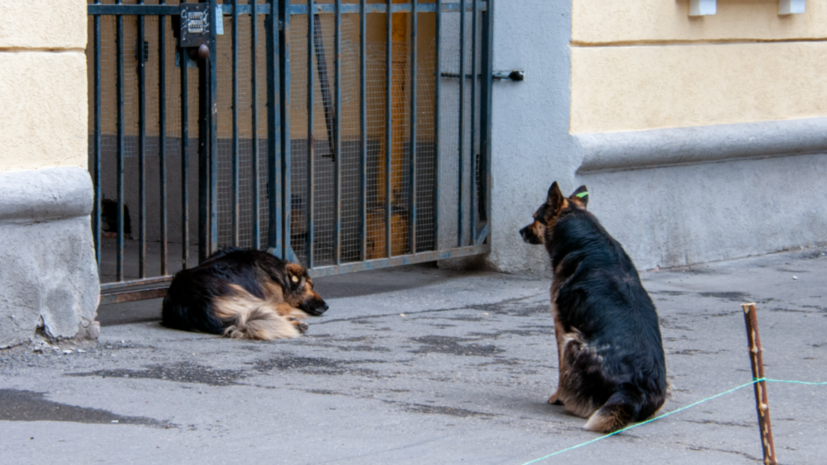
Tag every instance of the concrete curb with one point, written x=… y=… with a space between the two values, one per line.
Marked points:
x=48 y=194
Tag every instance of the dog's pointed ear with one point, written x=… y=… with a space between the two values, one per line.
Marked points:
x=555 y=197
x=295 y=273
x=581 y=195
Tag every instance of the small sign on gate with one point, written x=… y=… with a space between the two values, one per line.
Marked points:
x=195 y=24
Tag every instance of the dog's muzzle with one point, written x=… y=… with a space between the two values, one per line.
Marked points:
x=314 y=307
x=528 y=235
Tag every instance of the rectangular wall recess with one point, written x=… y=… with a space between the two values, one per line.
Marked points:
x=791 y=7
x=702 y=7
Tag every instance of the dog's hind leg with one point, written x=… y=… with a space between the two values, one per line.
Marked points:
x=265 y=324
x=622 y=408
x=248 y=317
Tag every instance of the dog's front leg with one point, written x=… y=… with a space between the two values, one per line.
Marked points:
x=293 y=315
x=558 y=334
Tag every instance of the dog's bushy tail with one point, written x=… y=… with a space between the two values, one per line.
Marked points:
x=622 y=408
x=252 y=318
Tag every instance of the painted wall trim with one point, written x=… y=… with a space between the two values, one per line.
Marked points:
x=47 y=194
x=614 y=151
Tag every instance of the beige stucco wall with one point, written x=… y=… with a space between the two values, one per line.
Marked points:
x=43 y=24
x=646 y=64
x=635 y=21
x=43 y=84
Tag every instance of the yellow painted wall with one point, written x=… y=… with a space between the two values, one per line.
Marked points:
x=646 y=64
x=43 y=108
x=634 y=21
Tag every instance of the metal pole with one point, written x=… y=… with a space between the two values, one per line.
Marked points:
x=461 y=129
x=388 y=124
x=413 y=135
x=120 y=194
x=437 y=120
x=311 y=142
x=473 y=144
x=274 y=132
x=284 y=108
x=185 y=228
x=141 y=149
x=256 y=158
x=336 y=136
x=235 y=200
x=363 y=129
x=213 y=131
x=96 y=214
x=162 y=138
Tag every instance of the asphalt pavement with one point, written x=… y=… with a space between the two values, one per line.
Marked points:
x=420 y=365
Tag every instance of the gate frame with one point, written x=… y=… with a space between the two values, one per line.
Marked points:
x=277 y=36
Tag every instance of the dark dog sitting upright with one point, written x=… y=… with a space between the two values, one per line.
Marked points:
x=611 y=364
x=244 y=294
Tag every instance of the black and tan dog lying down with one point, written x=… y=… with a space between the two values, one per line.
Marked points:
x=610 y=354
x=243 y=294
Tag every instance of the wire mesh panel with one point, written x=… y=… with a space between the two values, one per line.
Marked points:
x=413 y=198
x=243 y=213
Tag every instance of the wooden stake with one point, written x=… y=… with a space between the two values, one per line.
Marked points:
x=762 y=404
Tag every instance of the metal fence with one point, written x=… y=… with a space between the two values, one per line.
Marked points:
x=334 y=134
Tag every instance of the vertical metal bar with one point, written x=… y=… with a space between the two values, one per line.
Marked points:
x=412 y=208
x=162 y=139
x=337 y=135
x=324 y=84
x=473 y=143
x=388 y=123
x=461 y=182
x=203 y=159
x=485 y=110
x=273 y=132
x=256 y=158
x=213 y=119
x=363 y=130
x=96 y=214
x=234 y=208
x=311 y=141
x=284 y=70
x=437 y=123
x=185 y=229
x=141 y=148
x=119 y=264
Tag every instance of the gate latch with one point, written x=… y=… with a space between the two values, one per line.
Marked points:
x=195 y=25
x=516 y=75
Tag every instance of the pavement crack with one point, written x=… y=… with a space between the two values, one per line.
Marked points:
x=712 y=449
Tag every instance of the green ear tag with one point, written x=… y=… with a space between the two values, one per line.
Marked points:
x=581 y=195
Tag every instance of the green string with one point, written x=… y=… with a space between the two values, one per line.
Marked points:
x=794 y=382
x=673 y=412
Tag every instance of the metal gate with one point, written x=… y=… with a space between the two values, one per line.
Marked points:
x=330 y=133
